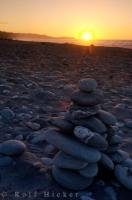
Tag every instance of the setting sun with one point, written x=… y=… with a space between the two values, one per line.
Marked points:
x=86 y=36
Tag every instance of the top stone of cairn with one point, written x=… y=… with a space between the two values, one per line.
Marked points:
x=87 y=85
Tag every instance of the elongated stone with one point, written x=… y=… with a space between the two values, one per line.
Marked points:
x=72 y=147
x=106 y=117
x=66 y=161
x=90 y=170
x=71 y=180
x=124 y=176
x=63 y=124
x=92 y=123
x=79 y=114
x=106 y=161
x=85 y=99
x=119 y=156
x=88 y=109
x=91 y=138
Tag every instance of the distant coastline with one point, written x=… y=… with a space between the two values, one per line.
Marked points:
x=70 y=40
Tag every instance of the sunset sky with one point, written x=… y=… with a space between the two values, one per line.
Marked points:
x=105 y=19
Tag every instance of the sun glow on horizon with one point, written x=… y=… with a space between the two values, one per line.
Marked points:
x=86 y=36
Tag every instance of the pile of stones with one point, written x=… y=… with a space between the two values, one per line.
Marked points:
x=88 y=142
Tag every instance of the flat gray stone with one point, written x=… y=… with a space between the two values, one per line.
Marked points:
x=93 y=139
x=128 y=123
x=90 y=170
x=62 y=124
x=32 y=125
x=79 y=114
x=106 y=161
x=47 y=161
x=115 y=139
x=92 y=123
x=119 y=156
x=12 y=147
x=112 y=149
x=85 y=99
x=124 y=176
x=63 y=160
x=70 y=179
x=106 y=117
x=127 y=163
x=72 y=146
x=87 y=85
x=86 y=109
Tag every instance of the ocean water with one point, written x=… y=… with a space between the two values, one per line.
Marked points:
x=109 y=43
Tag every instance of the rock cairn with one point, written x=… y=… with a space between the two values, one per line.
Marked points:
x=87 y=141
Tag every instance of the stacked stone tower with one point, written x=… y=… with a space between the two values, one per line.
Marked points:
x=87 y=141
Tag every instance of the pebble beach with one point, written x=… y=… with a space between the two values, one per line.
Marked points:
x=65 y=121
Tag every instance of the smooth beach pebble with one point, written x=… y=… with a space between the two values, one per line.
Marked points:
x=106 y=117
x=34 y=126
x=63 y=124
x=71 y=180
x=12 y=147
x=119 y=156
x=106 y=161
x=127 y=163
x=128 y=123
x=92 y=123
x=115 y=140
x=47 y=161
x=88 y=85
x=63 y=160
x=79 y=114
x=90 y=170
x=7 y=114
x=124 y=176
x=90 y=138
x=82 y=133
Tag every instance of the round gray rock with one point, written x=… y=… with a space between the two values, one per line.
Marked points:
x=70 y=179
x=7 y=114
x=88 y=85
x=12 y=147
